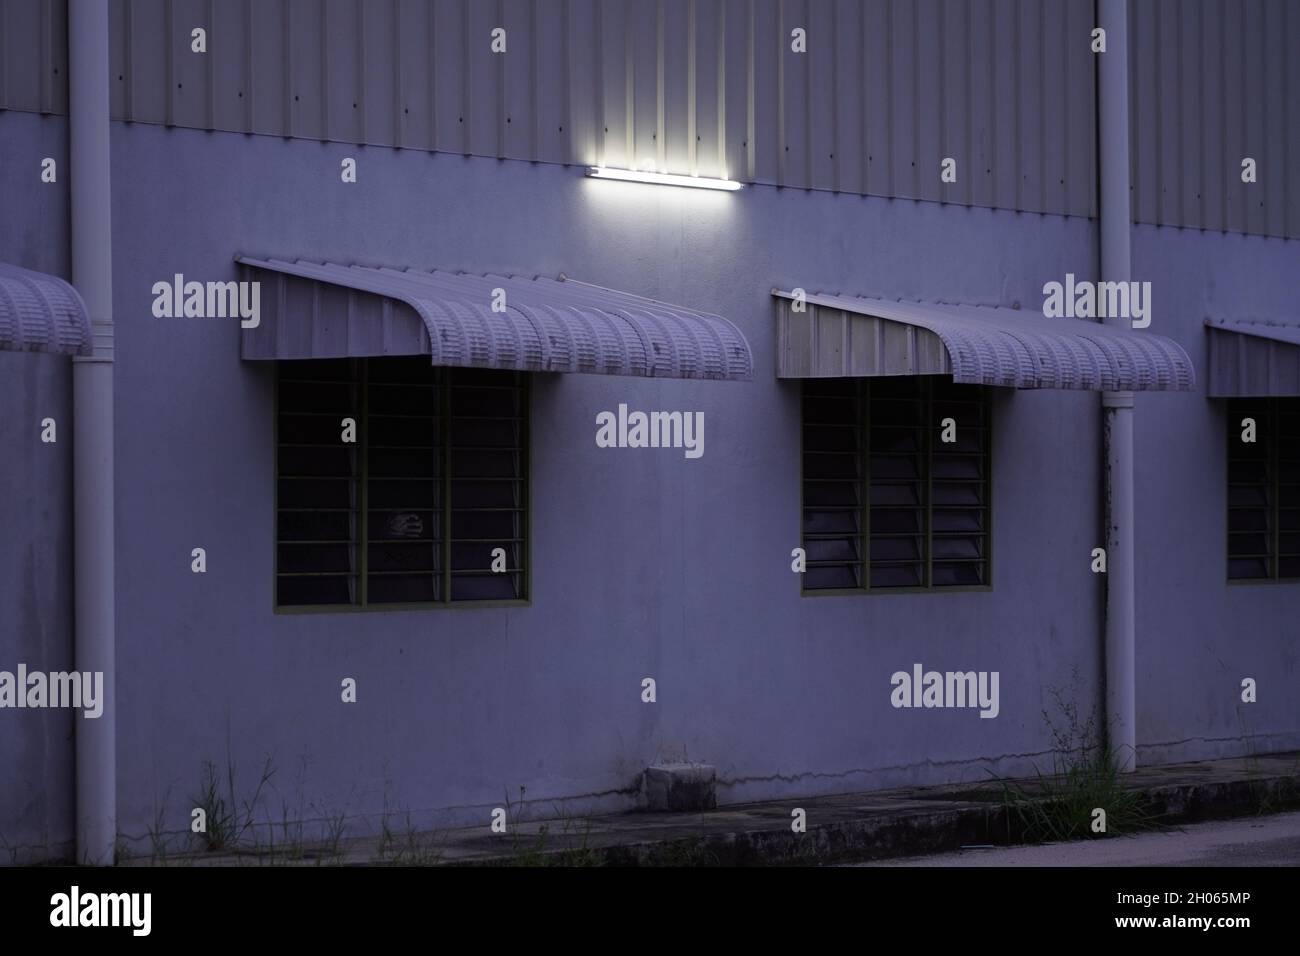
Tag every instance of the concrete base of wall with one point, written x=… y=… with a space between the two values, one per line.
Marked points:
x=844 y=828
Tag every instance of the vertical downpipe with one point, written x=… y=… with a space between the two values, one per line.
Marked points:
x=92 y=425
x=1117 y=407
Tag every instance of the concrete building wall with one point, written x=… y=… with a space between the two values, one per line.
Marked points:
x=644 y=563
x=1197 y=635
x=36 y=798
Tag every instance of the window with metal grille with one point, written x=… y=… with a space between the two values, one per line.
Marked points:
x=413 y=510
x=1264 y=490
x=886 y=502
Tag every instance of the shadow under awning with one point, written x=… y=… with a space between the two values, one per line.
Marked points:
x=329 y=310
x=850 y=336
x=41 y=313
x=1253 y=358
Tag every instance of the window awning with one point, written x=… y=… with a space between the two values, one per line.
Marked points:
x=843 y=336
x=1253 y=358
x=41 y=313
x=330 y=310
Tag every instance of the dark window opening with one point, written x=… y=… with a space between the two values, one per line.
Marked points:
x=430 y=497
x=1264 y=490
x=887 y=503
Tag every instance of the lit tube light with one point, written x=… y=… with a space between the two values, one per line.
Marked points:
x=661 y=179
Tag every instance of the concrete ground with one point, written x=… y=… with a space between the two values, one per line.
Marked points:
x=1254 y=841
x=877 y=825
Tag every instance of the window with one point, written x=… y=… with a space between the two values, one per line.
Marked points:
x=412 y=510
x=886 y=502
x=1264 y=490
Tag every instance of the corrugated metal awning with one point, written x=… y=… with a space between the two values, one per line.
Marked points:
x=1253 y=358
x=41 y=313
x=328 y=310
x=843 y=335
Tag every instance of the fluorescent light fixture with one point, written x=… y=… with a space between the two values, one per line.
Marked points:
x=662 y=179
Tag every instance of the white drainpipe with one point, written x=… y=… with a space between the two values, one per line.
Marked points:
x=92 y=425
x=1117 y=407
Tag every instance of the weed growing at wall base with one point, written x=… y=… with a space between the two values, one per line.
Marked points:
x=1085 y=778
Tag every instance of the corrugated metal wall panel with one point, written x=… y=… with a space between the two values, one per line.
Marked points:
x=767 y=105
x=1291 y=122
x=676 y=95
x=927 y=35
x=1213 y=84
x=887 y=89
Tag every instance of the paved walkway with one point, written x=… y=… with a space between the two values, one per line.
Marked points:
x=1249 y=841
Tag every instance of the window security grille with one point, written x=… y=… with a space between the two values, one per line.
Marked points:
x=1264 y=490
x=412 y=511
x=886 y=503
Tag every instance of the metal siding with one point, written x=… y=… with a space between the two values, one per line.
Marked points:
x=837 y=101
x=1256 y=132
x=1168 y=141
x=979 y=78
x=886 y=90
x=676 y=123
x=1083 y=113
x=189 y=88
x=766 y=135
x=515 y=76
x=1209 y=208
x=929 y=80
x=641 y=57
x=1005 y=105
x=1190 y=115
x=412 y=35
x=21 y=40
x=580 y=120
x=1055 y=134
x=611 y=93
x=481 y=99
x=707 y=112
x=550 y=57
x=228 y=65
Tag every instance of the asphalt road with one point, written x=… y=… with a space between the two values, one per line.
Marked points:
x=1248 y=841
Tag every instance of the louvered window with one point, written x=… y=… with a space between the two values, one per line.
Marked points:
x=887 y=503
x=1264 y=489
x=428 y=505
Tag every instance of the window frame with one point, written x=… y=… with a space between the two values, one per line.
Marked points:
x=986 y=450
x=1273 y=486
x=526 y=394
